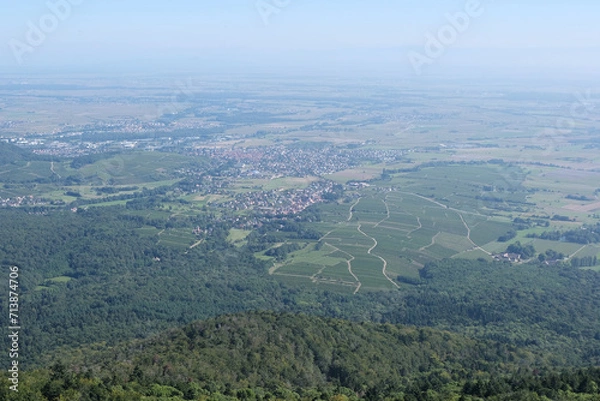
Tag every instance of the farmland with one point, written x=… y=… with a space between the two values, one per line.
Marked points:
x=401 y=176
x=386 y=235
x=390 y=229
x=448 y=206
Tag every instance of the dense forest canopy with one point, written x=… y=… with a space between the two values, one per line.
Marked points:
x=92 y=276
x=270 y=356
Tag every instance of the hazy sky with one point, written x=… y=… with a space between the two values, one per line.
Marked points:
x=549 y=36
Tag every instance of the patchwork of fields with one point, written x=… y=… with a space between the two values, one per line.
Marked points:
x=387 y=235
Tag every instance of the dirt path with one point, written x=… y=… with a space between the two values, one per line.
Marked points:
x=159 y=234
x=441 y=204
x=276 y=266
x=325 y=235
x=273 y=271
x=52 y=169
x=432 y=242
x=427 y=199
x=351 y=213
x=576 y=252
x=469 y=235
x=349 y=262
x=458 y=212
x=196 y=244
x=416 y=229
x=387 y=208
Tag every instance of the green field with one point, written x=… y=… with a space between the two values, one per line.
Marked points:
x=178 y=237
x=390 y=229
x=237 y=236
x=386 y=234
x=42 y=178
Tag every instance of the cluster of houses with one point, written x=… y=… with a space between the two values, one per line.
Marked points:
x=277 y=202
x=508 y=257
x=22 y=201
x=264 y=162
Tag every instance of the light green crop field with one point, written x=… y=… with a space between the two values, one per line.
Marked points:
x=237 y=236
x=445 y=211
x=389 y=234
x=179 y=238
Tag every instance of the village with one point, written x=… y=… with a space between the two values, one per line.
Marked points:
x=281 y=202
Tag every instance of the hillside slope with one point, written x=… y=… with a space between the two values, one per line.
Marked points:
x=281 y=354
x=10 y=153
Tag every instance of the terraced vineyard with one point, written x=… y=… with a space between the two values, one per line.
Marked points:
x=390 y=229
x=386 y=235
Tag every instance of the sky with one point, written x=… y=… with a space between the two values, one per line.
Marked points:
x=407 y=37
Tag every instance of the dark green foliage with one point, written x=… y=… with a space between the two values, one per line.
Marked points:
x=121 y=285
x=267 y=356
x=10 y=153
x=84 y=160
x=586 y=261
x=508 y=236
x=548 y=308
x=248 y=354
x=585 y=235
x=526 y=251
x=569 y=385
x=281 y=252
x=89 y=277
x=558 y=217
x=114 y=284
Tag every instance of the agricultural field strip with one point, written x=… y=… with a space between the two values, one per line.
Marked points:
x=577 y=251
x=416 y=229
x=432 y=242
x=393 y=206
x=314 y=279
x=459 y=213
x=374 y=242
x=387 y=209
x=469 y=233
x=388 y=215
x=377 y=256
x=369 y=251
x=349 y=262
x=196 y=244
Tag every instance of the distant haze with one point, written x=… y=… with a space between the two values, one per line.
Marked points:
x=550 y=38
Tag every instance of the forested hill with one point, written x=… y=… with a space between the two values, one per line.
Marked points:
x=92 y=277
x=282 y=353
x=260 y=348
x=273 y=356
x=10 y=153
